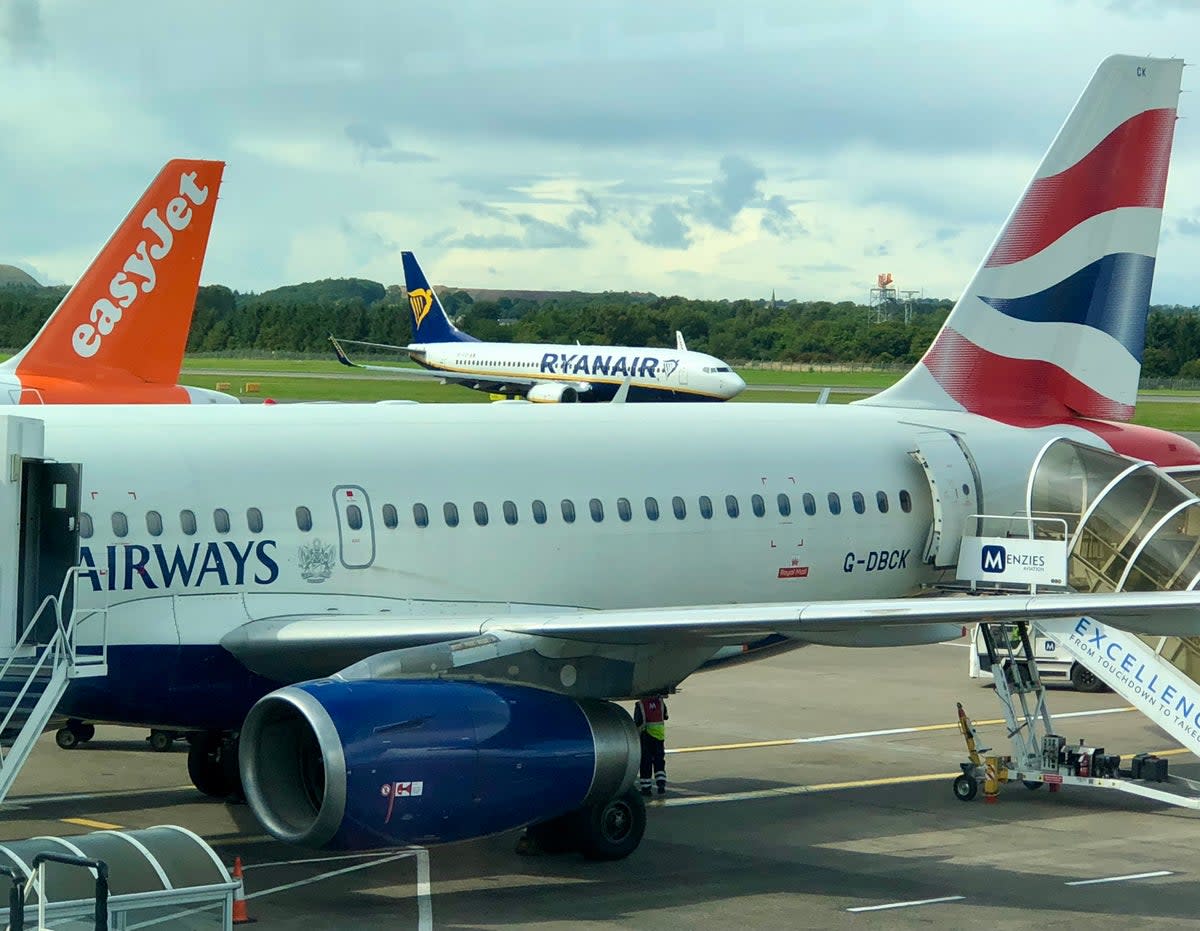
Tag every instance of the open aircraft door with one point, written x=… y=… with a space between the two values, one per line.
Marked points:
x=954 y=489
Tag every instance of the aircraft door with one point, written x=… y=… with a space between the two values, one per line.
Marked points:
x=49 y=541
x=356 y=527
x=683 y=372
x=954 y=491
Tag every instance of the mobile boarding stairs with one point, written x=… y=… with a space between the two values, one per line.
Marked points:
x=1096 y=522
x=45 y=642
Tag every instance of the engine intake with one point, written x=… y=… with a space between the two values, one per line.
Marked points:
x=336 y=764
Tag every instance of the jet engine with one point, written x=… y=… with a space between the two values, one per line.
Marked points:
x=555 y=393
x=381 y=763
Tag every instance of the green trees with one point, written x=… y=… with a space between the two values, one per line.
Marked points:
x=299 y=318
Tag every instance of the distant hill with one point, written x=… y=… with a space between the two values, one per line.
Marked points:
x=11 y=276
x=326 y=291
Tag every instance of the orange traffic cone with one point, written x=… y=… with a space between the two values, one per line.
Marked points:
x=240 y=915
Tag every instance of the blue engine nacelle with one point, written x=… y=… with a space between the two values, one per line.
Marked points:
x=381 y=763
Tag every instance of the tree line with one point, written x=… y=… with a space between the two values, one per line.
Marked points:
x=299 y=319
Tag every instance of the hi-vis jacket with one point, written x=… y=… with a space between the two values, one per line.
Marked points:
x=650 y=716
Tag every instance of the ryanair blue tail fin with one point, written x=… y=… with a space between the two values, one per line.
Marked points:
x=430 y=323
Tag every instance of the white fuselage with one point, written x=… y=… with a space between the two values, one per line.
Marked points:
x=602 y=369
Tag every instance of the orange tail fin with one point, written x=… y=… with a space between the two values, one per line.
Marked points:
x=128 y=316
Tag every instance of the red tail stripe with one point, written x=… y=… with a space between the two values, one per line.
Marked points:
x=1016 y=391
x=1127 y=169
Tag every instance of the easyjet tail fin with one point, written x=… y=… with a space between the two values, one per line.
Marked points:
x=430 y=323
x=127 y=318
x=1053 y=324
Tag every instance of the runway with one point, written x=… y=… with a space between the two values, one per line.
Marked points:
x=809 y=790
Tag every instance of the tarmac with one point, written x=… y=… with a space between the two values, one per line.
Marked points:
x=807 y=790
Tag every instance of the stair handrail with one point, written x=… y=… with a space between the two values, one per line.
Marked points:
x=60 y=649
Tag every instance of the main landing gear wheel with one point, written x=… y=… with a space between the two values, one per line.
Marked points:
x=965 y=788
x=213 y=766
x=74 y=733
x=612 y=831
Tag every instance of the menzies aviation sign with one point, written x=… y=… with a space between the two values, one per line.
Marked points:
x=1018 y=561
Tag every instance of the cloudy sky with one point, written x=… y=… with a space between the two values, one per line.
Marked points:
x=711 y=149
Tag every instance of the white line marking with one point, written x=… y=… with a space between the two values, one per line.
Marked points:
x=346 y=856
x=1119 y=879
x=92 y=796
x=880 y=908
x=330 y=875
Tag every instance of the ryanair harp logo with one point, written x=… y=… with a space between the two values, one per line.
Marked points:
x=420 y=300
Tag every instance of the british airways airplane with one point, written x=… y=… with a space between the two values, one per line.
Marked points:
x=119 y=335
x=410 y=624
x=549 y=373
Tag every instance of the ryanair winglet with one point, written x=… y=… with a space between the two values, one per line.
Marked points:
x=340 y=352
x=430 y=323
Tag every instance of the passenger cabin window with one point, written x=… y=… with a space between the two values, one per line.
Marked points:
x=221 y=520
x=510 y=512
x=731 y=506
x=539 y=511
x=354 y=516
x=85 y=525
x=391 y=519
x=154 y=523
x=835 y=503
x=624 y=510
x=187 y=522
x=679 y=507
x=450 y=513
x=254 y=520
x=860 y=505
x=905 y=501
x=785 y=506
x=810 y=504
x=652 y=508
x=420 y=515
x=706 y=510
x=596 y=506
x=120 y=524
x=757 y=505
x=568 y=510
x=881 y=501
x=481 y=514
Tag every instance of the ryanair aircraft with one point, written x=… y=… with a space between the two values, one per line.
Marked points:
x=410 y=624
x=548 y=373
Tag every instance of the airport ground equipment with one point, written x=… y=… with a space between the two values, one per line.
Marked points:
x=164 y=877
x=1118 y=524
x=40 y=629
x=1040 y=756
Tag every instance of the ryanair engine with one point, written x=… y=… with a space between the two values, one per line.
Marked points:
x=556 y=393
x=367 y=764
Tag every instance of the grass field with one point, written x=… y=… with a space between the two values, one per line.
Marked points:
x=329 y=381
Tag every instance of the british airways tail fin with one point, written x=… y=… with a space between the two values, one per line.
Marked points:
x=128 y=316
x=430 y=323
x=1053 y=324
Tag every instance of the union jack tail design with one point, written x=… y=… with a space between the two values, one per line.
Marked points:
x=1053 y=324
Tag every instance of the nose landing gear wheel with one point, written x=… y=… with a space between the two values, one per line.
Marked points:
x=965 y=788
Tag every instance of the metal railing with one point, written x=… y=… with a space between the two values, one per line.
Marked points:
x=56 y=662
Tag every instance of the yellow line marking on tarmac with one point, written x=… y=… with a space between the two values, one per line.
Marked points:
x=887 y=732
x=89 y=823
x=782 y=791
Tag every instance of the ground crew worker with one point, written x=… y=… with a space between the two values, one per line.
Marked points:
x=650 y=716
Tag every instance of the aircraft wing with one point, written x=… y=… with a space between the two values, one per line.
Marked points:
x=300 y=646
x=494 y=383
